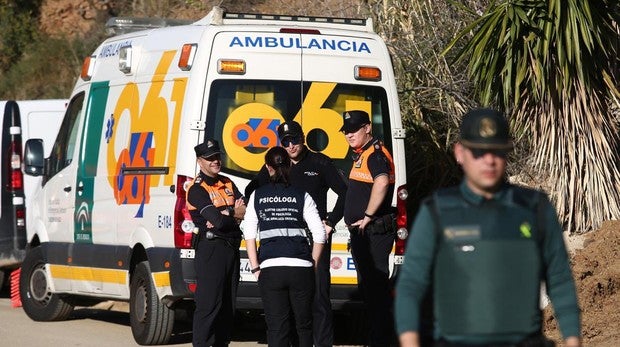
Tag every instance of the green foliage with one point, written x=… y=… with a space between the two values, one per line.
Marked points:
x=433 y=92
x=552 y=64
x=18 y=25
x=48 y=69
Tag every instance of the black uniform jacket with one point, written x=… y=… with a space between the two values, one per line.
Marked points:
x=315 y=173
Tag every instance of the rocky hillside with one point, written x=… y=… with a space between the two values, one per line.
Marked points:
x=79 y=17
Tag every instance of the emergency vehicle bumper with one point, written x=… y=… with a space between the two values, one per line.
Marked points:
x=344 y=297
x=11 y=258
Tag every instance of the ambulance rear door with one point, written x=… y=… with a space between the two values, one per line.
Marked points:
x=257 y=80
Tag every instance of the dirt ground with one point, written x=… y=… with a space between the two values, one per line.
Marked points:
x=596 y=268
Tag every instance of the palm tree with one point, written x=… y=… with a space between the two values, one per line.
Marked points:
x=552 y=65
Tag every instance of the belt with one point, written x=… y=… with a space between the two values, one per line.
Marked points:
x=379 y=225
x=211 y=236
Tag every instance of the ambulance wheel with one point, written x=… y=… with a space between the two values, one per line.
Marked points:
x=39 y=303
x=151 y=320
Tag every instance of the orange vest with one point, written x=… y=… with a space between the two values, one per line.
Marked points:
x=221 y=194
x=360 y=171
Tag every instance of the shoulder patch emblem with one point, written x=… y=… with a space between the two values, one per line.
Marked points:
x=526 y=230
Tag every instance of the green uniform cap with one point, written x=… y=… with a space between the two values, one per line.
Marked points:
x=485 y=129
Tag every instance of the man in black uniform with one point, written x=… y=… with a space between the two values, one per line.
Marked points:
x=316 y=174
x=216 y=206
x=369 y=216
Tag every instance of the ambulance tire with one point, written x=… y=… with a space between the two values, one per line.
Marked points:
x=151 y=320
x=39 y=303
x=2 y=277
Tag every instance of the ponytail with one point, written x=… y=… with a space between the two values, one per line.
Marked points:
x=278 y=159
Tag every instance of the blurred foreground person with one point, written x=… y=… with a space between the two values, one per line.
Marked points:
x=483 y=248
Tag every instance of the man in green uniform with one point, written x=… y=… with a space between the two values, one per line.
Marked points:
x=484 y=247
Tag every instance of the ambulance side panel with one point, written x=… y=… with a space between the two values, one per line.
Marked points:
x=120 y=182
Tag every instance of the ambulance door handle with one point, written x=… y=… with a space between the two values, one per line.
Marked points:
x=67 y=189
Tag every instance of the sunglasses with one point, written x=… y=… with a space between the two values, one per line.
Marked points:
x=480 y=152
x=213 y=157
x=290 y=140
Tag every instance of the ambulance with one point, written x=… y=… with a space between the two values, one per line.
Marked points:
x=21 y=120
x=110 y=219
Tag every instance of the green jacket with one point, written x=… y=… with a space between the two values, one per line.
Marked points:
x=485 y=260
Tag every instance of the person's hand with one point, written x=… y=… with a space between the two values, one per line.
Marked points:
x=239 y=209
x=572 y=341
x=328 y=230
x=362 y=223
x=409 y=339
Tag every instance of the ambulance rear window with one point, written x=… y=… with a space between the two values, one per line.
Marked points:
x=244 y=116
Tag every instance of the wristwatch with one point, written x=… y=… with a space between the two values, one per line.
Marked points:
x=255 y=270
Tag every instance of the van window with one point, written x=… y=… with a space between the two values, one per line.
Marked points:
x=64 y=147
x=265 y=104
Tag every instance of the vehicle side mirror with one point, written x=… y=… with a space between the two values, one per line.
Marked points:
x=34 y=160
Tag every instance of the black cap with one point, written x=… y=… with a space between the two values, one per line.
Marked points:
x=290 y=128
x=485 y=129
x=352 y=121
x=207 y=148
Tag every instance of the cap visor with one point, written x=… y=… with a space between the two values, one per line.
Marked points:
x=293 y=135
x=207 y=155
x=351 y=128
x=477 y=145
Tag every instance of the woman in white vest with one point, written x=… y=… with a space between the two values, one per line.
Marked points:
x=280 y=215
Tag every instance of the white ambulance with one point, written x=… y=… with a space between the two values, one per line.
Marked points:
x=21 y=120
x=110 y=221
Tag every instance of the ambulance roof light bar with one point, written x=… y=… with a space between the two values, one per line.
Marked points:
x=123 y=25
x=218 y=16
x=350 y=21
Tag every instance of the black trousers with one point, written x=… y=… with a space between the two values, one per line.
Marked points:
x=217 y=278
x=322 y=317
x=285 y=289
x=371 y=256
